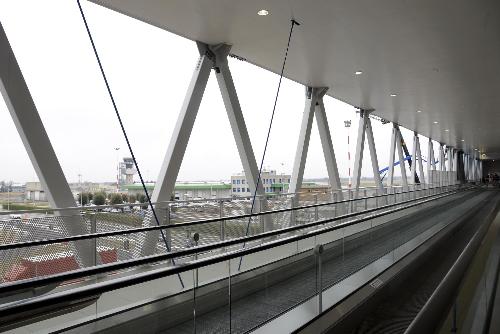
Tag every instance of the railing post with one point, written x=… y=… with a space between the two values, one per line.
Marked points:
x=318 y=251
x=366 y=199
x=222 y=222
x=167 y=231
x=351 y=208
x=196 y=237
x=454 y=328
x=292 y=212
x=316 y=213
x=93 y=230
x=262 y=217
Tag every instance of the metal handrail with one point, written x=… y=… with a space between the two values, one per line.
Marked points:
x=438 y=303
x=109 y=206
x=191 y=223
x=113 y=267
x=95 y=289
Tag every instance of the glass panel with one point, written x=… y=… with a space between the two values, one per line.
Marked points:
x=265 y=293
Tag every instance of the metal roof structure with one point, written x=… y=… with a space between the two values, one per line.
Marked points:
x=437 y=57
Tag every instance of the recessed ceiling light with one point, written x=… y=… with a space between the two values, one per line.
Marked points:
x=446 y=130
x=263 y=12
x=393 y=95
x=419 y=110
x=463 y=139
x=475 y=149
x=436 y=122
x=358 y=72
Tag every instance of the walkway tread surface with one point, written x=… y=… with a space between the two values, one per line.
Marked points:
x=343 y=260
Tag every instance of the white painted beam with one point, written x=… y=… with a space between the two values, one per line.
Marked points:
x=303 y=141
x=399 y=147
x=39 y=148
x=328 y=151
x=413 y=169
x=358 y=156
x=236 y=119
x=374 y=158
x=165 y=183
x=392 y=150
x=420 y=164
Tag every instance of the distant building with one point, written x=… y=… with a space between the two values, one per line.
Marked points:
x=186 y=191
x=127 y=171
x=271 y=182
x=34 y=192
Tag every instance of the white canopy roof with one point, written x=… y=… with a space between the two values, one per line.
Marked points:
x=440 y=57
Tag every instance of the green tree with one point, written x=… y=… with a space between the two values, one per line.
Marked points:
x=83 y=198
x=116 y=199
x=132 y=198
x=125 y=198
x=99 y=199
x=143 y=199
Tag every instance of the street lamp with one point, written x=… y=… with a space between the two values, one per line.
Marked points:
x=347 y=124
x=81 y=189
x=117 y=170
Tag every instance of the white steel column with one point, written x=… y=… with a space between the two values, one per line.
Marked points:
x=441 y=165
x=471 y=167
x=399 y=146
x=165 y=183
x=37 y=143
x=466 y=166
x=476 y=170
x=373 y=155
x=239 y=128
x=450 y=165
x=390 y=172
x=236 y=119
x=430 y=160
x=358 y=157
x=455 y=164
x=365 y=127
x=175 y=153
x=413 y=169
x=303 y=142
x=328 y=151
x=481 y=170
x=420 y=164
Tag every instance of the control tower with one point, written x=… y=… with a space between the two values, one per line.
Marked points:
x=127 y=171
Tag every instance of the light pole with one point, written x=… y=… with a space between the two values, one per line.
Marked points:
x=347 y=124
x=81 y=189
x=117 y=170
x=282 y=177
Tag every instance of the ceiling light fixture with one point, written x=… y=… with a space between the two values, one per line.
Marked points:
x=446 y=130
x=463 y=139
x=393 y=95
x=358 y=72
x=436 y=122
x=419 y=110
x=263 y=12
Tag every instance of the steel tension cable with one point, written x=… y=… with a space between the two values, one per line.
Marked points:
x=123 y=130
x=293 y=23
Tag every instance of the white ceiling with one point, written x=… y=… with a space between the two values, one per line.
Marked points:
x=438 y=56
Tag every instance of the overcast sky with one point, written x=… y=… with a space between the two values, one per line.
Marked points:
x=149 y=70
